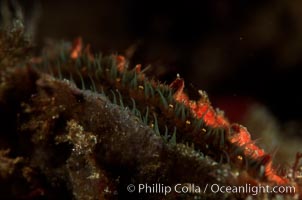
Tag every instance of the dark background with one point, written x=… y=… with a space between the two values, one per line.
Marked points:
x=239 y=51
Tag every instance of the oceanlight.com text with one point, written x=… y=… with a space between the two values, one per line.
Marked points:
x=159 y=188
